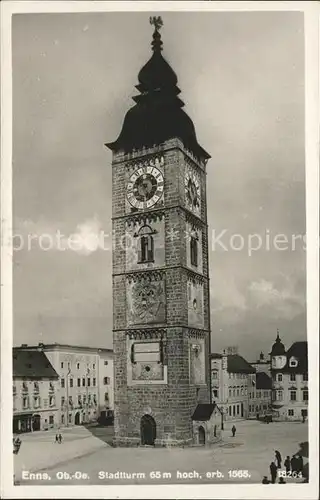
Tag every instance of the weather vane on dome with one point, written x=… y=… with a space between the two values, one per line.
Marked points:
x=156 y=22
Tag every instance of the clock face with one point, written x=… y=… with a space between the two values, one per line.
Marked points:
x=145 y=187
x=192 y=189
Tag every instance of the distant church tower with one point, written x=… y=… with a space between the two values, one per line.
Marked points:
x=161 y=317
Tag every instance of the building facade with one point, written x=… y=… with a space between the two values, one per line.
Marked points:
x=207 y=424
x=230 y=382
x=81 y=390
x=289 y=371
x=263 y=364
x=161 y=328
x=260 y=390
x=106 y=382
x=35 y=389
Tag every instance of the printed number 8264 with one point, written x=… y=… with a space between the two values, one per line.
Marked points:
x=286 y=474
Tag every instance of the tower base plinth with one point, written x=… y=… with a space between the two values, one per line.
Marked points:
x=131 y=442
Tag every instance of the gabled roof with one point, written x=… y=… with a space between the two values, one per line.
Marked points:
x=237 y=364
x=298 y=350
x=64 y=347
x=263 y=381
x=32 y=364
x=204 y=411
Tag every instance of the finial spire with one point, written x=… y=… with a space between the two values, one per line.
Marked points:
x=278 y=336
x=157 y=23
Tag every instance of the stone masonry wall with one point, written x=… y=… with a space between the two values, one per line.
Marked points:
x=171 y=404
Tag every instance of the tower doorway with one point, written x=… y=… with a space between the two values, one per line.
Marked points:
x=77 y=418
x=148 y=430
x=242 y=412
x=36 y=419
x=202 y=435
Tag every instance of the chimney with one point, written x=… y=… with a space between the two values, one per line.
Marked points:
x=261 y=356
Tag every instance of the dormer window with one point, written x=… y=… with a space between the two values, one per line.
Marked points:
x=293 y=363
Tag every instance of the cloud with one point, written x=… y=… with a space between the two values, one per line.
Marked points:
x=226 y=296
x=87 y=238
x=285 y=301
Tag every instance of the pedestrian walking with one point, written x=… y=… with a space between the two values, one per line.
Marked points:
x=278 y=459
x=60 y=438
x=265 y=480
x=273 y=472
x=16 y=445
x=287 y=464
x=233 y=430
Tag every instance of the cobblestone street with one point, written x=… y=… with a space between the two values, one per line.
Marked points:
x=94 y=461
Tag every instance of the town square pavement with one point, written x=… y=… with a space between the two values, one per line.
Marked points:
x=85 y=457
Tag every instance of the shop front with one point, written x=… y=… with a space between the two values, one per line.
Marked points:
x=22 y=423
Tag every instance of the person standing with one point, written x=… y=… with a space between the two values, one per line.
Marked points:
x=57 y=438
x=287 y=464
x=233 y=430
x=60 y=438
x=299 y=466
x=278 y=459
x=293 y=462
x=273 y=472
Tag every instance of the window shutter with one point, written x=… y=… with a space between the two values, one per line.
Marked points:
x=150 y=248
x=132 y=354
x=144 y=248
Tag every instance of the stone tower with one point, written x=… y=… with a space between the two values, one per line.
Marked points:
x=161 y=317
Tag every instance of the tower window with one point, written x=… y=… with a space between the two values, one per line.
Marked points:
x=194 y=250
x=146 y=244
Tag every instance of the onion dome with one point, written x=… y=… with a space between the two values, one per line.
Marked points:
x=278 y=348
x=157 y=115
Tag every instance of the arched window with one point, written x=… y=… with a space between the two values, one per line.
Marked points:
x=146 y=244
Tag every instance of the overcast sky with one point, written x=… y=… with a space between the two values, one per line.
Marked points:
x=242 y=80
